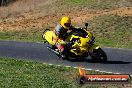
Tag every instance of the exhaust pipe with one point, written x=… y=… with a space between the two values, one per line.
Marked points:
x=50 y=49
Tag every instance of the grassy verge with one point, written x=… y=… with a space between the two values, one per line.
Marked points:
x=94 y=4
x=21 y=36
x=21 y=74
x=113 y=30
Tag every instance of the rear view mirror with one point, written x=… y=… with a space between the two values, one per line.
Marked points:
x=86 y=24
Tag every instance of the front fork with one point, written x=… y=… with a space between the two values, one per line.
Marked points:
x=94 y=46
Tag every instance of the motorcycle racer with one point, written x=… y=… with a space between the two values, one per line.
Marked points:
x=82 y=42
x=61 y=31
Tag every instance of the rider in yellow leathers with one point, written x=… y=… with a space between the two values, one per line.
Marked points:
x=61 y=31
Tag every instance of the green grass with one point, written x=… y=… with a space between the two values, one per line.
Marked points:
x=112 y=30
x=94 y=4
x=22 y=74
x=21 y=36
x=64 y=6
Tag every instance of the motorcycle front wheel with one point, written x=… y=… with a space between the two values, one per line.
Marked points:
x=98 y=55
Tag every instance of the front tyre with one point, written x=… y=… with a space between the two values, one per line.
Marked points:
x=98 y=55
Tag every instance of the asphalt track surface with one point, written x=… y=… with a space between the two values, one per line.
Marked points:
x=119 y=60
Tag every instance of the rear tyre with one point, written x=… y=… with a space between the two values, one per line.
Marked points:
x=98 y=55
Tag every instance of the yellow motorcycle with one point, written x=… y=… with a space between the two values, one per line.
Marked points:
x=82 y=45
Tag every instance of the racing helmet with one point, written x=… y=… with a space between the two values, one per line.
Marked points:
x=66 y=22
